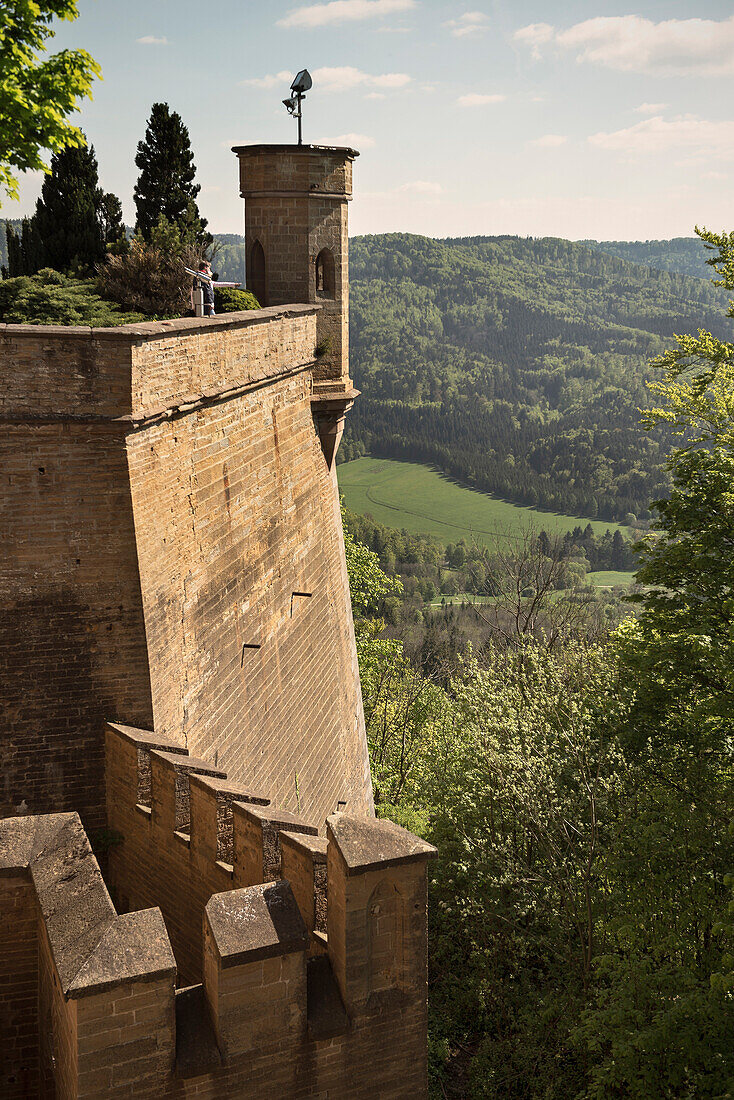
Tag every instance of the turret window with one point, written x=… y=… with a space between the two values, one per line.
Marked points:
x=256 y=275
x=325 y=281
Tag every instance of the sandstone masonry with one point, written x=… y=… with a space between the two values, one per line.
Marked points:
x=178 y=667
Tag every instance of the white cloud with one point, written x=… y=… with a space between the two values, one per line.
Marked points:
x=375 y=95
x=471 y=22
x=356 y=141
x=476 y=100
x=151 y=40
x=684 y=134
x=631 y=43
x=343 y=11
x=343 y=77
x=550 y=141
x=421 y=187
x=535 y=35
x=337 y=79
x=272 y=80
x=650 y=108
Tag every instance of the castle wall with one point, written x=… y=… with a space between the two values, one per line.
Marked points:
x=174 y=557
x=241 y=560
x=72 y=650
x=283 y=1009
x=19 y=1054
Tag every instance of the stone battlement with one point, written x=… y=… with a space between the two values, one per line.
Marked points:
x=289 y=966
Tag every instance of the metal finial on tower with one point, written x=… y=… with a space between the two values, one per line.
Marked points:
x=299 y=87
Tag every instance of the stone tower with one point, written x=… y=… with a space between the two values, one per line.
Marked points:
x=297 y=250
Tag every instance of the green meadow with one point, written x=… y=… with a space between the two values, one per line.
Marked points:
x=418 y=499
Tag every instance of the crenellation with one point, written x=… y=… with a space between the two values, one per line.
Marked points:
x=257 y=832
x=303 y=864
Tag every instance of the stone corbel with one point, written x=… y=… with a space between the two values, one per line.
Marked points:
x=329 y=410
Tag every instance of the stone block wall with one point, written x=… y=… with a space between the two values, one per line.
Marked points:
x=279 y=1010
x=173 y=557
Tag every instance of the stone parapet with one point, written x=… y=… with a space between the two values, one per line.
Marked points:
x=105 y=983
x=143 y=371
x=265 y=1015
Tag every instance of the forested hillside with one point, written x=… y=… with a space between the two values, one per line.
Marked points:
x=684 y=255
x=517 y=365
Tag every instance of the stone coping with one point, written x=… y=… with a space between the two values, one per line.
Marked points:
x=369 y=845
x=160 y=330
x=265 y=816
x=146 y=739
x=256 y=922
x=93 y=948
x=301 y=150
x=181 y=762
x=314 y=846
x=226 y=787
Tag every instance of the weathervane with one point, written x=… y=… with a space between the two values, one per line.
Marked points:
x=299 y=87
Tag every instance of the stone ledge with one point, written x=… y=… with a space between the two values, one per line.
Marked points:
x=313 y=846
x=161 y=330
x=269 y=816
x=184 y=763
x=226 y=787
x=369 y=845
x=296 y=150
x=92 y=947
x=146 y=739
x=134 y=947
x=257 y=922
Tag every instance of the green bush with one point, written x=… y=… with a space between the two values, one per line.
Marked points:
x=227 y=299
x=151 y=276
x=50 y=298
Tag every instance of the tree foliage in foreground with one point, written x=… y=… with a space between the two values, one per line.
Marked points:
x=37 y=96
x=582 y=927
x=50 y=298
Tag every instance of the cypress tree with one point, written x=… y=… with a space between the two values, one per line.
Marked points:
x=111 y=223
x=165 y=186
x=14 y=253
x=25 y=249
x=67 y=213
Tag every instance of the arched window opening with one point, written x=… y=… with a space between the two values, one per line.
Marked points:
x=325 y=281
x=256 y=275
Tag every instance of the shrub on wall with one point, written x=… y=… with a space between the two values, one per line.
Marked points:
x=151 y=276
x=228 y=299
x=50 y=298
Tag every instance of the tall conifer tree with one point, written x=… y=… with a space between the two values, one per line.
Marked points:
x=110 y=220
x=166 y=187
x=25 y=249
x=67 y=213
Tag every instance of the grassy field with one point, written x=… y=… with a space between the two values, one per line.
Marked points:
x=609 y=578
x=419 y=499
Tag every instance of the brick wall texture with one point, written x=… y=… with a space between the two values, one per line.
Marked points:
x=90 y=1005
x=173 y=557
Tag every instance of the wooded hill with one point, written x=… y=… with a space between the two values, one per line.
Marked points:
x=685 y=255
x=517 y=365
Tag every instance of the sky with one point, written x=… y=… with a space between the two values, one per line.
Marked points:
x=579 y=119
